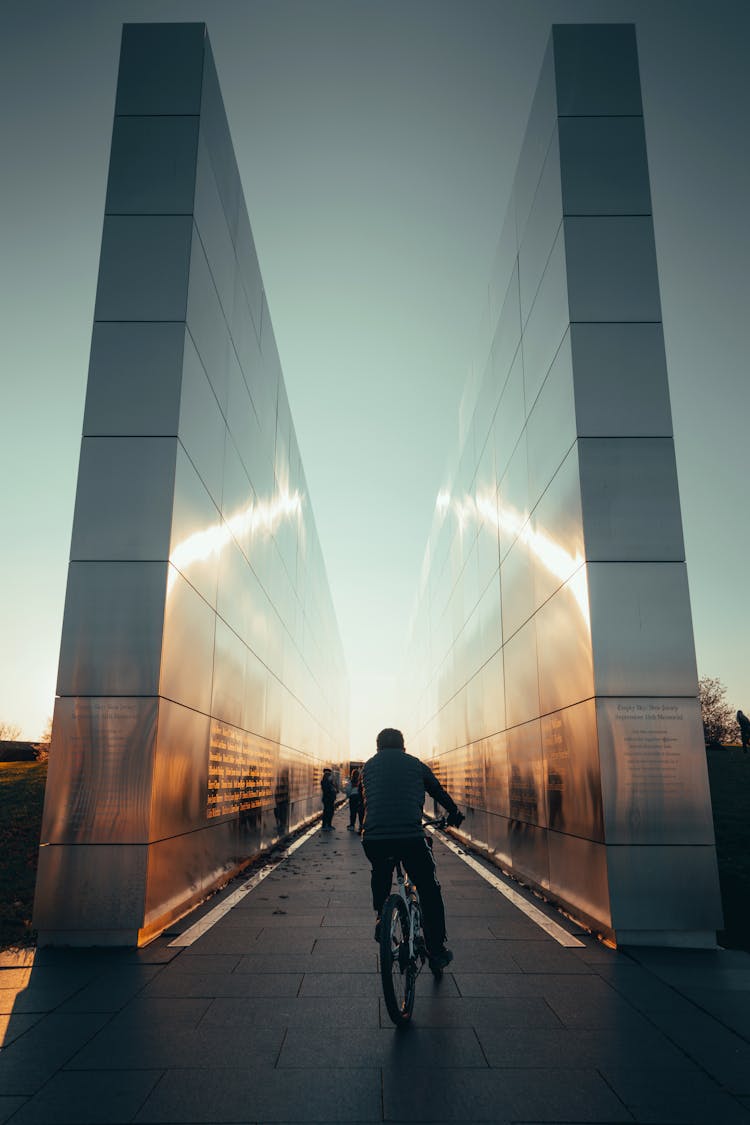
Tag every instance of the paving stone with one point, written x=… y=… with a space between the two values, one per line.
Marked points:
x=98 y=1098
x=324 y=960
x=339 y=986
x=212 y=985
x=452 y=1011
x=32 y=1059
x=667 y=1097
x=541 y=1095
x=547 y=1047
x=161 y=1013
x=118 y=1047
x=484 y=956
x=268 y=920
x=111 y=992
x=13 y=1025
x=193 y=960
x=8 y=1107
x=252 y=1095
x=385 y=1047
x=539 y=957
x=720 y=1052
x=307 y=1011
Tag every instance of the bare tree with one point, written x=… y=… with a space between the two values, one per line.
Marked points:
x=9 y=732
x=719 y=723
x=42 y=747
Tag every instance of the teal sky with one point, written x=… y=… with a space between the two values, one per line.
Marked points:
x=377 y=145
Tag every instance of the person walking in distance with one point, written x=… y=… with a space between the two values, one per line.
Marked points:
x=328 y=790
x=394 y=784
x=355 y=799
x=744 y=724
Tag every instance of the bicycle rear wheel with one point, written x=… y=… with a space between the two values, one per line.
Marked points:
x=398 y=973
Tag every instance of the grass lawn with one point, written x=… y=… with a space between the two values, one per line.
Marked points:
x=22 y=797
x=21 y=800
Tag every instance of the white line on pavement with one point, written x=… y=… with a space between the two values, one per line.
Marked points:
x=199 y=928
x=547 y=924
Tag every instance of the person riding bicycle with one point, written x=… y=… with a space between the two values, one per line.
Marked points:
x=393 y=791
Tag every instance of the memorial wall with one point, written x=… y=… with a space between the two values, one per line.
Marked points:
x=551 y=665
x=201 y=684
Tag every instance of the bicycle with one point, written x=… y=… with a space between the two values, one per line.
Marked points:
x=403 y=951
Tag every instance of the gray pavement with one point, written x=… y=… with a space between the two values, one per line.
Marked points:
x=275 y=1015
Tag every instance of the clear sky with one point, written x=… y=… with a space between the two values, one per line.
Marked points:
x=377 y=144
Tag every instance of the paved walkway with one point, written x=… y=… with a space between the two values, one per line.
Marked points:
x=275 y=1015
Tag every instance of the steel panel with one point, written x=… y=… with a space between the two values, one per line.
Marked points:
x=541 y=124
x=143 y=270
x=641 y=629
x=90 y=894
x=654 y=775
x=230 y=655
x=152 y=166
x=211 y=222
x=548 y=320
x=202 y=426
x=603 y=166
x=493 y=694
x=180 y=771
x=620 y=376
x=124 y=499
x=499 y=831
x=551 y=428
x=563 y=630
x=596 y=70
x=112 y=628
x=541 y=230
x=517 y=587
x=611 y=268
x=631 y=506
x=521 y=676
x=513 y=497
x=530 y=852
x=161 y=69
x=207 y=325
x=526 y=783
x=188 y=646
x=497 y=773
x=217 y=138
x=670 y=888
x=134 y=379
x=578 y=874
x=99 y=782
x=510 y=417
x=504 y=266
x=555 y=531
x=197 y=537
x=572 y=772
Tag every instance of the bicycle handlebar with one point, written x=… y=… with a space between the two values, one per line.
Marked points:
x=437 y=821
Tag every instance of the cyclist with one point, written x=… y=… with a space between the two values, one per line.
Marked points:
x=394 y=785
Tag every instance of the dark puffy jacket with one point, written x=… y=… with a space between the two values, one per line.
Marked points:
x=394 y=785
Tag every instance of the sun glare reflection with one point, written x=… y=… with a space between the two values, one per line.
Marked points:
x=259 y=517
x=484 y=510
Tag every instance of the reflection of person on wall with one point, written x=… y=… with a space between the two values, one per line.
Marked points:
x=281 y=798
x=355 y=800
x=744 y=724
x=554 y=797
x=328 y=789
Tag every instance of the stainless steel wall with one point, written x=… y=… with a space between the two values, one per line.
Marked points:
x=201 y=684
x=552 y=658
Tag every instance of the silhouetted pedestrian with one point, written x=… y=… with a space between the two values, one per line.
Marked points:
x=744 y=724
x=328 y=789
x=355 y=800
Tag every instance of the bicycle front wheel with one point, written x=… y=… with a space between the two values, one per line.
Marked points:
x=397 y=971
